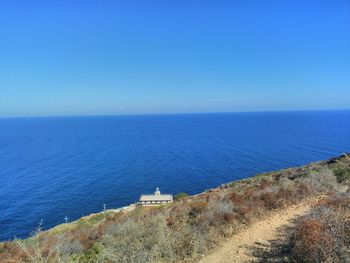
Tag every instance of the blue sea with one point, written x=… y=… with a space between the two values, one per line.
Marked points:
x=70 y=166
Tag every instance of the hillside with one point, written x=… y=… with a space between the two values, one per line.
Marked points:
x=195 y=226
x=260 y=235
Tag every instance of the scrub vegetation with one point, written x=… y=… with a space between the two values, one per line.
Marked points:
x=193 y=225
x=324 y=234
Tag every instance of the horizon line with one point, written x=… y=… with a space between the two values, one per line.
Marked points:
x=166 y=113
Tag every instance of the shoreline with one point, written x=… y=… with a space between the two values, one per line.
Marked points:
x=237 y=184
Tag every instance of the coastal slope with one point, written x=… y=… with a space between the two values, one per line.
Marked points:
x=216 y=222
x=259 y=235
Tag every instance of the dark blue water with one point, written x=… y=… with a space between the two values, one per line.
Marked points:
x=56 y=167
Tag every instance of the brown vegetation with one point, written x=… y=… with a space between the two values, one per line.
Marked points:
x=193 y=225
x=324 y=235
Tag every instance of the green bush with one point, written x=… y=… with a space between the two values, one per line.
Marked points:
x=342 y=174
x=181 y=196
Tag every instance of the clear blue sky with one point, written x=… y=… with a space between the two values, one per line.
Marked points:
x=167 y=56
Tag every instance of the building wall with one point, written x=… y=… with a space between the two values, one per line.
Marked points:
x=155 y=202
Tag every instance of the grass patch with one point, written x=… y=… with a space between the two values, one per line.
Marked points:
x=342 y=175
x=181 y=196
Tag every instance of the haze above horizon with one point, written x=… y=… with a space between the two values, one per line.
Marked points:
x=186 y=56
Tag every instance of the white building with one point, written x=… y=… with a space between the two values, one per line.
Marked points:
x=156 y=199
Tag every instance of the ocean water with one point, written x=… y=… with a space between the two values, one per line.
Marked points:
x=70 y=166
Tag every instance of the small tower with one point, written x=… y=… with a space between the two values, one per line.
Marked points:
x=157 y=192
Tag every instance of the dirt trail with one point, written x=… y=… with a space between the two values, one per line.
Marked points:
x=260 y=233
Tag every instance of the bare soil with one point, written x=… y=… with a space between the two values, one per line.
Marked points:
x=253 y=244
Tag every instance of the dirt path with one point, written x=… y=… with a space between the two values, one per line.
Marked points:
x=260 y=233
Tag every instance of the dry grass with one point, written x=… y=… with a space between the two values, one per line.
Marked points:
x=191 y=226
x=324 y=235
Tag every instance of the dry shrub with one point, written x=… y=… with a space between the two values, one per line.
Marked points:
x=284 y=197
x=264 y=184
x=269 y=200
x=286 y=184
x=70 y=247
x=197 y=208
x=11 y=252
x=323 y=180
x=312 y=243
x=136 y=241
x=230 y=218
x=40 y=248
x=188 y=228
x=86 y=236
x=303 y=189
x=324 y=235
x=336 y=201
x=236 y=198
x=216 y=214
